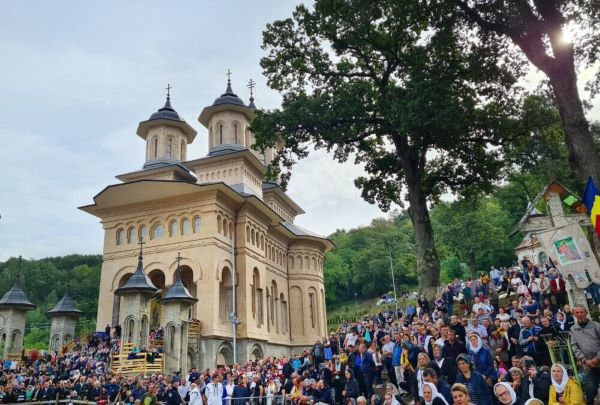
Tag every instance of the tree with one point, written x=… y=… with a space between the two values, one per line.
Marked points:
x=537 y=28
x=371 y=81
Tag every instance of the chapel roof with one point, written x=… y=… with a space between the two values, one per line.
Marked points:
x=138 y=282
x=178 y=292
x=66 y=306
x=16 y=298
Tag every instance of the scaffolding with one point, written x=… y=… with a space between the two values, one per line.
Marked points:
x=561 y=351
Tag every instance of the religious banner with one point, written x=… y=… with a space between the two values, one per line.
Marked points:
x=570 y=251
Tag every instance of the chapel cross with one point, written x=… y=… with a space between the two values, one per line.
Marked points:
x=251 y=85
x=19 y=271
x=228 y=76
x=141 y=243
x=178 y=258
x=169 y=87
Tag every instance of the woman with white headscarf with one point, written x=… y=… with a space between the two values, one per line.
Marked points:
x=506 y=394
x=564 y=389
x=432 y=396
x=482 y=357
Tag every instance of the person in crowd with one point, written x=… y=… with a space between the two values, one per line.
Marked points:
x=351 y=388
x=505 y=394
x=585 y=340
x=481 y=357
x=431 y=395
x=564 y=390
x=460 y=394
x=430 y=376
x=477 y=386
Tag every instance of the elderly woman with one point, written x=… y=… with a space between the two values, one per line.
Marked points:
x=432 y=396
x=476 y=383
x=460 y=394
x=518 y=384
x=505 y=394
x=564 y=389
x=481 y=357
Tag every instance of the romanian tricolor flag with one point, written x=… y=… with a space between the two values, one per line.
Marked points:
x=591 y=200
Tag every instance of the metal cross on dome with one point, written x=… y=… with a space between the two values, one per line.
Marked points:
x=169 y=87
x=251 y=85
x=228 y=74
x=141 y=243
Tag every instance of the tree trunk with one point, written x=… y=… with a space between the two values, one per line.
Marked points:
x=583 y=155
x=473 y=262
x=428 y=262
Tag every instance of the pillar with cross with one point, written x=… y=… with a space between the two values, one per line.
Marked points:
x=176 y=302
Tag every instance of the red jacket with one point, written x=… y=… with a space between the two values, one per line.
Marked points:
x=557 y=286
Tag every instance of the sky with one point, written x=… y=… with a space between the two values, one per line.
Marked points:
x=77 y=78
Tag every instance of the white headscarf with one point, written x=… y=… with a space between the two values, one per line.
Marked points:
x=434 y=393
x=511 y=391
x=477 y=348
x=560 y=387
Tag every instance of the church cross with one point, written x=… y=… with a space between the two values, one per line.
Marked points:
x=178 y=258
x=228 y=76
x=251 y=85
x=169 y=87
x=141 y=243
x=19 y=271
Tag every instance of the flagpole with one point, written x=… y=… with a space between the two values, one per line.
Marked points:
x=394 y=283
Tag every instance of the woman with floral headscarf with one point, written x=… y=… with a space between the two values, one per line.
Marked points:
x=564 y=389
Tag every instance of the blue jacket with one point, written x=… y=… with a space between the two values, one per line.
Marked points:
x=528 y=346
x=396 y=355
x=483 y=362
x=367 y=364
x=478 y=388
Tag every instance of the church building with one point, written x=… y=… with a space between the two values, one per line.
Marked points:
x=214 y=225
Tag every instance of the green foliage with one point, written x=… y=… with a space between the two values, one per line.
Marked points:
x=44 y=282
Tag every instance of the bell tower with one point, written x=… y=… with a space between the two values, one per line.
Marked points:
x=166 y=134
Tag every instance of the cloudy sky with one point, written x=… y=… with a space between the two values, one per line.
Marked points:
x=77 y=77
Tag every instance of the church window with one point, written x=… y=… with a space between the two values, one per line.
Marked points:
x=143 y=232
x=221 y=134
x=120 y=236
x=131 y=235
x=170 y=149
x=171 y=337
x=197 y=224
x=259 y=306
x=219 y=224
x=253 y=237
x=158 y=231
x=173 y=228
x=182 y=150
x=311 y=308
x=262 y=242
x=225 y=227
x=235 y=133
x=185 y=226
x=231 y=230
x=284 y=315
x=155 y=147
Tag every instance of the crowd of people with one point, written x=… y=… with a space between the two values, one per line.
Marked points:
x=462 y=347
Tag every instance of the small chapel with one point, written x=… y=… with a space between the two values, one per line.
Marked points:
x=207 y=241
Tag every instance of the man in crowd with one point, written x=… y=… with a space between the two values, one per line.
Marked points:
x=585 y=340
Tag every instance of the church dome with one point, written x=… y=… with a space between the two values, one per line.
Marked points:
x=178 y=293
x=166 y=113
x=229 y=97
x=139 y=282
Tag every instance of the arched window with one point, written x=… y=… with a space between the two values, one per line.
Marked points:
x=143 y=232
x=262 y=242
x=185 y=226
x=170 y=149
x=171 y=335
x=247 y=234
x=197 y=224
x=235 y=132
x=182 y=150
x=155 y=147
x=120 y=236
x=221 y=134
x=158 y=231
x=132 y=235
x=173 y=228
x=225 y=227
x=253 y=236
x=231 y=230
x=219 y=224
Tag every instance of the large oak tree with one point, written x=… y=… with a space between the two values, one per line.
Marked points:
x=373 y=82
x=538 y=30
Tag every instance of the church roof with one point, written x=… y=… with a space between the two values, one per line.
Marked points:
x=66 y=306
x=226 y=149
x=138 y=282
x=166 y=116
x=16 y=298
x=177 y=292
x=166 y=112
x=229 y=97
